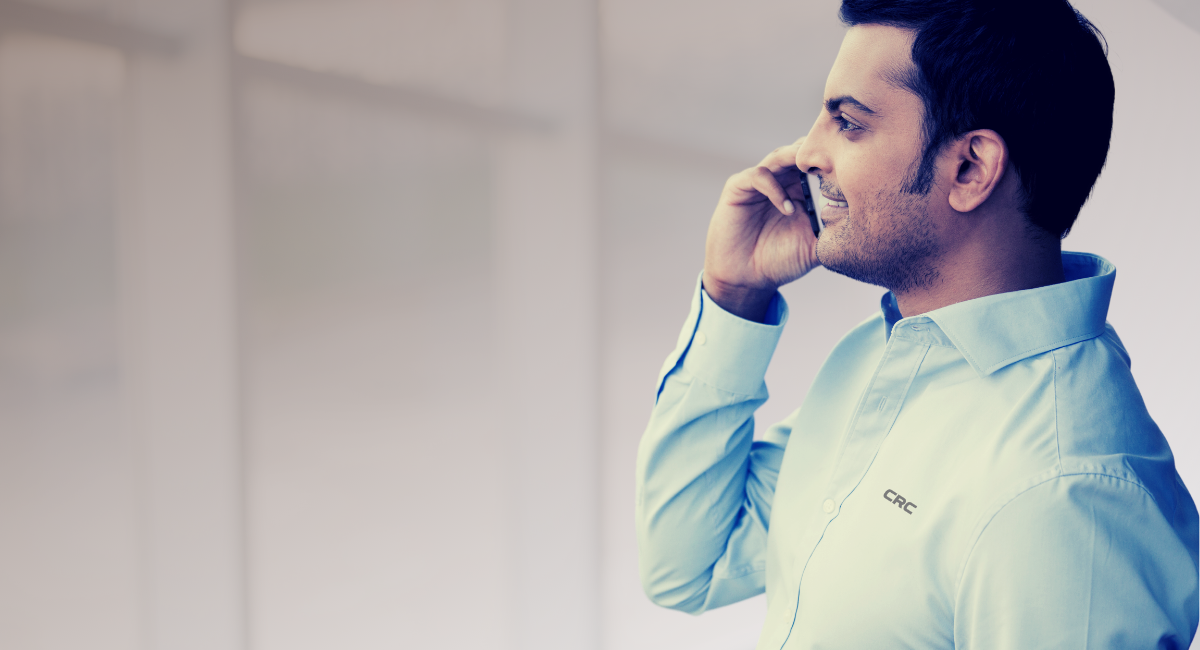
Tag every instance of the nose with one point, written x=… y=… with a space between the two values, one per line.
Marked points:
x=813 y=156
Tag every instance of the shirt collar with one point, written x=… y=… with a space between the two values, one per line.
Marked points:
x=994 y=331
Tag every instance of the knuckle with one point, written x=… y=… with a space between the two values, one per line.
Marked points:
x=764 y=179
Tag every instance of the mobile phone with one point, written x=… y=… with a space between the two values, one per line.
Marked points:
x=810 y=206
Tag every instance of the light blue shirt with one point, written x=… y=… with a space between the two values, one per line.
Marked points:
x=981 y=476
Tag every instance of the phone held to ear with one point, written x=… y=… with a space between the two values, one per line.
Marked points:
x=810 y=206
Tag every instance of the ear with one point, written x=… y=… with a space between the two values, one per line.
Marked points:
x=980 y=158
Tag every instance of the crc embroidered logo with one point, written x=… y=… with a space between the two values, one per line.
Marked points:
x=901 y=502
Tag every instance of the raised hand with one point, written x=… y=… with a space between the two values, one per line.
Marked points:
x=759 y=238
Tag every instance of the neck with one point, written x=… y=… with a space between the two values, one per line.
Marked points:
x=986 y=266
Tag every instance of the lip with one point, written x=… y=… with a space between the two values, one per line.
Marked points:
x=830 y=209
x=829 y=223
x=829 y=204
x=831 y=215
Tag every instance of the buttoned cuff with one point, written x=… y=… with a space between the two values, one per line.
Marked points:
x=732 y=353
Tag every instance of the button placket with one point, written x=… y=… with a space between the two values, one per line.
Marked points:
x=868 y=428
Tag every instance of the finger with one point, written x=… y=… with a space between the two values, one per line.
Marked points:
x=781 y=158
x=789 y=177
x=793 y=183
x=764 y=181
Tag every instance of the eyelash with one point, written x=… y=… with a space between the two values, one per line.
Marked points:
x=845 y=125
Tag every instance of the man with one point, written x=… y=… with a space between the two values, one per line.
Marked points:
x=973 y=466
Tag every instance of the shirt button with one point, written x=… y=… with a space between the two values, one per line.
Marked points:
x=828 y=506
x=701 y=339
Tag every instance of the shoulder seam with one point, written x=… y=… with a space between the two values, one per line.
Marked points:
x=962 y=569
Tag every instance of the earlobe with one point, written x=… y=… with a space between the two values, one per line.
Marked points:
x=981 y=157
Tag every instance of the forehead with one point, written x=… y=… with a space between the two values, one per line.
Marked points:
x=868 y=62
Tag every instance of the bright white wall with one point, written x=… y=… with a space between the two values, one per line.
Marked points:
x=419 y=293
x=68 y=517
x=120 y=505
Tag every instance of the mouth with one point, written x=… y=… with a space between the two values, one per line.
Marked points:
x=833 y=210
x=834 y=203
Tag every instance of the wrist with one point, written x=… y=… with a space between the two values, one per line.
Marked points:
x=749 y=303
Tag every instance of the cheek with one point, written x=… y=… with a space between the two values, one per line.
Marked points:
x=858 y=165
x=867 y=175
x=855 y=182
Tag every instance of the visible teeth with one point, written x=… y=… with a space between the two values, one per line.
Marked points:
x=836 y=204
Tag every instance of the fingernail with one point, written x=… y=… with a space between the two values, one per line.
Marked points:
x=788 y=207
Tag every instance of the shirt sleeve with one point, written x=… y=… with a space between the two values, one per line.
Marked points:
x=1078 y=561
x=704 y=486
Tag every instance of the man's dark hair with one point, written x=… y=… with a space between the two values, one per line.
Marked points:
x=1034 y=71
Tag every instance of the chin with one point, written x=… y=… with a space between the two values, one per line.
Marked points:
x=831 y=247
x=890 y=242
x=897 y=264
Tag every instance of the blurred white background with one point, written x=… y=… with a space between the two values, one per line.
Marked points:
x=335 y=324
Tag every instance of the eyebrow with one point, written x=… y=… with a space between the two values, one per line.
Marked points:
x=832 y=104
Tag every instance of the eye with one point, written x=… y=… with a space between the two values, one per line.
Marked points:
x=845 y=125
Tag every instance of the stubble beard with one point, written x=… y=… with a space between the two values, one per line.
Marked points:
x=889 y=241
